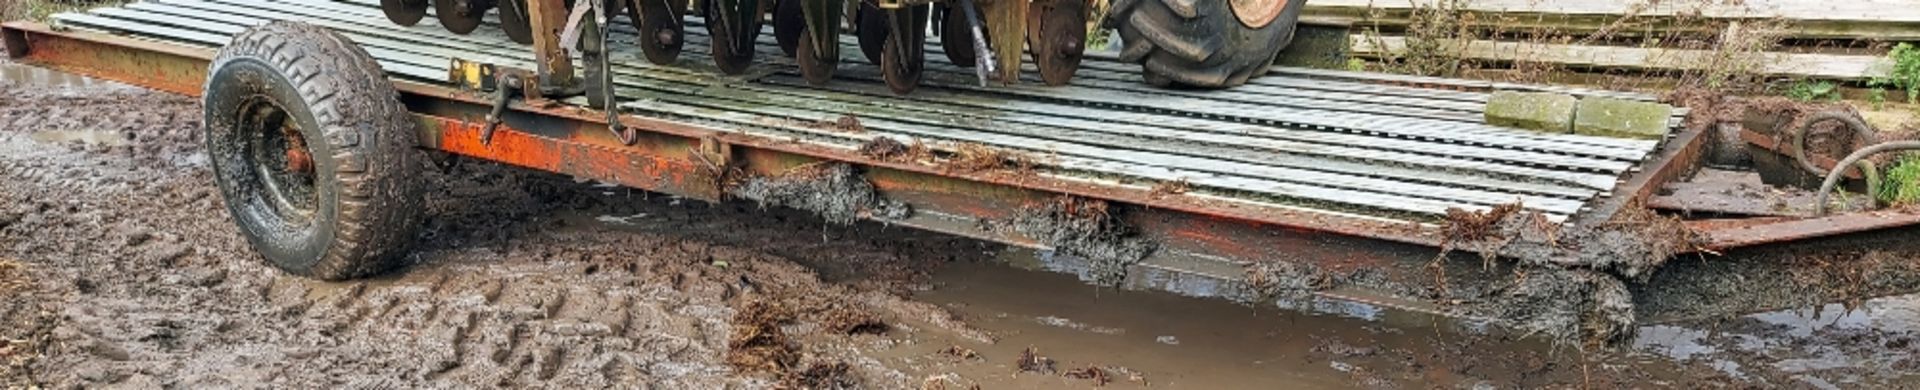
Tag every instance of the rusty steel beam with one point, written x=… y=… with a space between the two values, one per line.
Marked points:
x=1728 y=234
x=573 y=133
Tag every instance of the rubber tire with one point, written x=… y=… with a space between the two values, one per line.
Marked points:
x=1199 y=43
x=362 y=138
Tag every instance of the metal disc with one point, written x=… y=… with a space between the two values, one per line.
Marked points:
x=789 y=24
x=817 y=69
x=955 y=38
x=664 y=21
x=732 y=36
x=870 y=26
x=516 y=21
x=404 y=12
x=903 y=56
x=1059 y=39
x=460 y=16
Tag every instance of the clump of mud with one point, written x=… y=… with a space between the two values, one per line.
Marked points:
x=1031 y=361
x=823 y=376
x=853 y=322
x=758 y=343
x=1632 y=245
x=883 y=148
x=1592 y=307
x=846 y=123
x=1087 y=229
x=1099 y=376
x=1269 y=280
x=832 y=191
x=972 y=158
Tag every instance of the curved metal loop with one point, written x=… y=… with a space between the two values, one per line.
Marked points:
x=1833 y=177
x=1864 y=135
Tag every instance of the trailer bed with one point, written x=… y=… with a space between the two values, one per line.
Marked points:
x=1388 y=148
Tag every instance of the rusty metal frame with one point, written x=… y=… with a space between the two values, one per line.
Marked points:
x=1213 y=237
x=572 y=140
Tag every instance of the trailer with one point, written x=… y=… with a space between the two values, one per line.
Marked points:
x=1305 y=186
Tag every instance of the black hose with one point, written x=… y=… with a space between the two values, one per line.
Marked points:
x=1833 y=177
x=1865 y=135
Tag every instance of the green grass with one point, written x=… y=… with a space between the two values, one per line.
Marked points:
x=1807 y=91
x=1905 y=74
x=1901 y=184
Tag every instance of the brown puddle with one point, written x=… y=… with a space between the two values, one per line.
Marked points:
x=1173 y=341
x=16 y=74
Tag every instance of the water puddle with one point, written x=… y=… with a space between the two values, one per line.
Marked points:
x=1171 y=341
x=16 y=74
x=1174 y=341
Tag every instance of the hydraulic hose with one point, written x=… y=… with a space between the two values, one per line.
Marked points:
x=1833 y=177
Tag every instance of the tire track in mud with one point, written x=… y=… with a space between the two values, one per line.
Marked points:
x=152 y=285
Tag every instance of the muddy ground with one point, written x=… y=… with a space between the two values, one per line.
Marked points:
x=120 y=268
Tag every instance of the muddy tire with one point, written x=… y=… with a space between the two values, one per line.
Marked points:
x=1204 y=43
x=313 y=151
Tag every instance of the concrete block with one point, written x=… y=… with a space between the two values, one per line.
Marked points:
x=1547 y=112
x=1608 y=117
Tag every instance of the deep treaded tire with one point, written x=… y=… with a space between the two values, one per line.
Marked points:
x=313 y=151
x=1200 y=43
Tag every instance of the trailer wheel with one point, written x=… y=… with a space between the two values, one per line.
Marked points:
x=664 y=21
x=956 y=38
x=904 y=56
x=404 y=12
x=517 y=21
x=870 y=29
x=461 y=16
x=789 y=24
x=313 y=151
x=733 y=26
x=1207 y=44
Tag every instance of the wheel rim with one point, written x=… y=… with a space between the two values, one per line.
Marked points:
x=1060 y=40
x=404 y=12
x=1256 y=14
x=732 y=37
x=460 y=16
x=660 y=19
x=516 y=21
x=278 y=161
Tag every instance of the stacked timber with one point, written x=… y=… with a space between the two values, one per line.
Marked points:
x=1627 y=35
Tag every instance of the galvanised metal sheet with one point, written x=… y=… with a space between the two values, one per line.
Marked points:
x=1340 y=141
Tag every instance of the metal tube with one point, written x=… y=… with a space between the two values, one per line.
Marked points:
x=1833 y=177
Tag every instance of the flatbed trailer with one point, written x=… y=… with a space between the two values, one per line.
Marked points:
x=1304 y=184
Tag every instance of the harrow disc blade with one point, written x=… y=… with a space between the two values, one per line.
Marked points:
x=404 y=12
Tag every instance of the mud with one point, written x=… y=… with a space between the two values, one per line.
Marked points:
x=1088 y=229
x=121 y=269
x=832 y=191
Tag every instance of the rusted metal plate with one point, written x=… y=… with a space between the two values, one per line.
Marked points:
x=1725 y=234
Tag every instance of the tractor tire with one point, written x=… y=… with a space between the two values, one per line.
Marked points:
x=313 y=151
x=1204 y=43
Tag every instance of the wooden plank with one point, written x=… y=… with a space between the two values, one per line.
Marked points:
x=1886 y=20
x=1794 y=65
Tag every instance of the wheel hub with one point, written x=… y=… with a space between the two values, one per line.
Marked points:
x=1257 y=13
x=280 y=157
